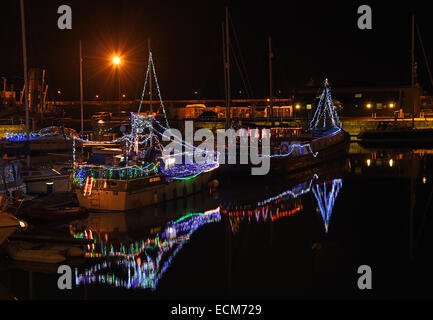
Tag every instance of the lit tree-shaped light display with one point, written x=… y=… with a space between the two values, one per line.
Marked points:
x=325 y=108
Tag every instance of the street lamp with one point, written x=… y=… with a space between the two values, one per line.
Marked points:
x=116 y=63
x=116 y=60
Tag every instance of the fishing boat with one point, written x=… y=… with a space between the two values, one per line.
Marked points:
x=138 y=183
x=145 y=175
x=295 y=148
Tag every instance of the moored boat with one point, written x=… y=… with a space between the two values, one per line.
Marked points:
x=54 y=214
x=293 y=148
x=8 y=225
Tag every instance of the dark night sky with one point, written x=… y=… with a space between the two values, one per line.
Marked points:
x=311 y=39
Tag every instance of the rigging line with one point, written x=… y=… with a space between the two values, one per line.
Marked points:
x=159 y=92
x=241 y=57
x=425 y=56
x=240 y=73
x=145 y=84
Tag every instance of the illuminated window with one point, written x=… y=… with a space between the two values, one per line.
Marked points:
x=358 y=95
x=308 y=106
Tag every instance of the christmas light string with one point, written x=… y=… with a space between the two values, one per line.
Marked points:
x=325 y=107
x=268 y=209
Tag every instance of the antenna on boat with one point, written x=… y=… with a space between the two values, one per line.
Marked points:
x=325 y=108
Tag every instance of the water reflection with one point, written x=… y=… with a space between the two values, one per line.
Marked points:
x=118 y=261
x=140 y=264
x=325 y=201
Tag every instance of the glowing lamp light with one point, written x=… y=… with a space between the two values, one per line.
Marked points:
x=391 y=163
x=23 y=224
x=391 y=105
x=369 y=106
x=368 y=162
x=424 y=180
x=298 y=106
x=116 y=60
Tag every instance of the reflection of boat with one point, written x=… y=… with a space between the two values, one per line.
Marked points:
x=42 y=253
x=274 y=205
x=140 y=264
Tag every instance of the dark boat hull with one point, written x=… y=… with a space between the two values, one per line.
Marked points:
x=397 y=137
x=328 y=148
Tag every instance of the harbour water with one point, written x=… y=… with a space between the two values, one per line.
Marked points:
x=302 y=236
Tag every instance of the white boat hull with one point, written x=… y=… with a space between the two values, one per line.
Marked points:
x=118 y=200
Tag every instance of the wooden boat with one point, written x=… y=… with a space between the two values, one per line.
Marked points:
x=8 y=225
x=54 y=214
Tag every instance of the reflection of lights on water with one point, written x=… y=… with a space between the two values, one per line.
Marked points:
x=171 y=232
x=424 y=180
x=368 y=162
x=141 y=264
x=391 y=163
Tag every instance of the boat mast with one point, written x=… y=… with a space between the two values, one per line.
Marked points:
x=81 y=96
x=271 y=89
x=150 y=93
x=413 y=70
x=26 y=81
x=227 y=70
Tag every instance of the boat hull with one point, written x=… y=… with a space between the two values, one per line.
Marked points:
x=37 y=186
x=325 y=149
x=393 y=137
x=135 y=196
